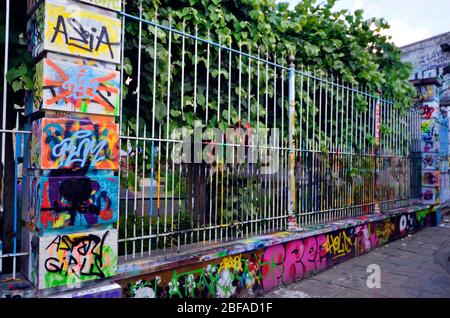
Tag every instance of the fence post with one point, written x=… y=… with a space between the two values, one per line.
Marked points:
x=71 y=194
x=377 y=154
x=292 y=223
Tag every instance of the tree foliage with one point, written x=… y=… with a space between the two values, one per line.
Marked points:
x=336 y=44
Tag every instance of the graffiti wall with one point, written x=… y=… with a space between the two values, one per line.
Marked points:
x=429 y=137
x=427 y=93
x=59 y=143
x=433 y=143
x=71 y=200
x=64 y=86
x=253 y=273
x=427 y=57
x=69 y=27
x=68 y=259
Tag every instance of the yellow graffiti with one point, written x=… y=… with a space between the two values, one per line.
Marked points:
x=339 y=245
x=232 y=263
x=82 y=32
x=61 y=220
x=386 y=231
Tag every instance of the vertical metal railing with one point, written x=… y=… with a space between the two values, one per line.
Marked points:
x=12 y=150
x=325 y=157
x=170 y=205
x=295 y=142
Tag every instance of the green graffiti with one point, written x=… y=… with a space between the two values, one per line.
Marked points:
x=421 y=215
x=216 y=280
x=70 y=276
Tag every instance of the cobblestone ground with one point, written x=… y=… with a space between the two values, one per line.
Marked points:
x=415 y=266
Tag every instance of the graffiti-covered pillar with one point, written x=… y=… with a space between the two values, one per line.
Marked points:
x=70 y=184
x=444 y=104
x=434 y=140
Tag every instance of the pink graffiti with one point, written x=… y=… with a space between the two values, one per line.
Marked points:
x=366 y=238
x=298 y=259
x=428 y=195
x=272 y=268
x=293 y=267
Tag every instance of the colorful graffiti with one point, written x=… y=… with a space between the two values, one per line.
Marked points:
x=429 y=111
x=429 y=161
x=64 y=86
x=427 y=92
x=109 y=4
x=73 y=258
x=35 y=31
x=428 y=138
x=69 y=187
x=430 y=195
x=73 y=199
x=256 y=272
x=73 y=28
x=70 y=143
x=430 y=178
x=232 y=276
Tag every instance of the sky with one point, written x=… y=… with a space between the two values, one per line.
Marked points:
x=410 y=20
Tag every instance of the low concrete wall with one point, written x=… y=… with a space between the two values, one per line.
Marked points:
x=245 y=268
x=254 y=266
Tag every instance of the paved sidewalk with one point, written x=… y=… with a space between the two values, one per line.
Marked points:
x=415 y=266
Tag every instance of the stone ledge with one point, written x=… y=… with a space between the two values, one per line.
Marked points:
x=200 y=253
x=197 y=254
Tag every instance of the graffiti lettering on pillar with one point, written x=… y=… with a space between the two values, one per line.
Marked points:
x=429 y=161
x=430 y=196
x=79 y=88
x=76 y=29
x=427 y=92
x=428 y=142
x=427 y=111
x=430 y=178
x=72 y=143
x=72 y=258
x=35 y=31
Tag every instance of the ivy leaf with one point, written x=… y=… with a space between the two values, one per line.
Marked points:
x=16 y=86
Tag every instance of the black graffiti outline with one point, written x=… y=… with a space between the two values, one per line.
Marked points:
x=85 y=36
x=86 y=240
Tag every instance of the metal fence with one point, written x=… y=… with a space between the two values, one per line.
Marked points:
x=339 y=171
x=241 y=187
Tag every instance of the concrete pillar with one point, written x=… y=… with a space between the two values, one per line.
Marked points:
x=434 y=141
x=71 y=185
